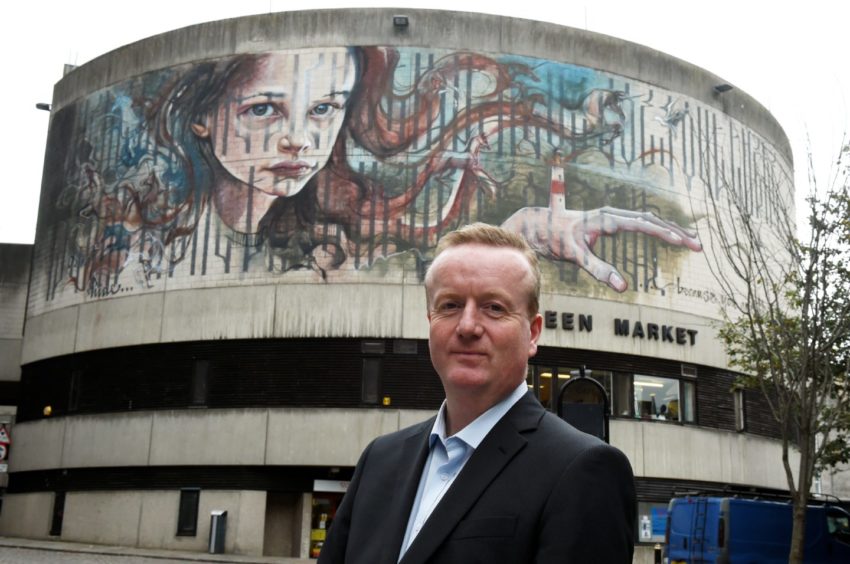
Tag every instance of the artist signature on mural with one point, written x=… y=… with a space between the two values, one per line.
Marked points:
x=704 y=294
x=99 y=290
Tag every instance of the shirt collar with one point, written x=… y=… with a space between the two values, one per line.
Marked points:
x=475 y=432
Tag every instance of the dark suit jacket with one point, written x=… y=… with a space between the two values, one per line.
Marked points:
x=535 y=490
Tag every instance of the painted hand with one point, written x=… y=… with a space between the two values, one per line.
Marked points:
x=570 y=235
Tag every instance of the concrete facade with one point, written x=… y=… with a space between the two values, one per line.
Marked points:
x=14 y=281
x=299 y=437
x=27 y=515
x=149 y=519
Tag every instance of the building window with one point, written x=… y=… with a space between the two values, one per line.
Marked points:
x=373 y=347
x=740 y=420
x=187 y=513
x=652 y=521
x=622 y=395
x=74 y=391
x=546 y=381
x=405 y=346
x=200 y=383
x=664 y=399
x=689 y=413
x=629 y=395
x=58 y=514
x=370 y=391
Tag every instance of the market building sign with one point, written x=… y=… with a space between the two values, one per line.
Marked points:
x=569 y=321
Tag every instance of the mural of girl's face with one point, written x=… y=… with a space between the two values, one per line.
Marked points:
x=277 y=128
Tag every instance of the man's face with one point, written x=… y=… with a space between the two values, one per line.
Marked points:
x=481 y=335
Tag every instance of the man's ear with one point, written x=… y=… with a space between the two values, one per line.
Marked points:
x=536 y=327
x=200 y=130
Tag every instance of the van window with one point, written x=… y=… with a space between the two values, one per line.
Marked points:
x=838 y=524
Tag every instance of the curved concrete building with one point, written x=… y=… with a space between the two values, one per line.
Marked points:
x=226 y=302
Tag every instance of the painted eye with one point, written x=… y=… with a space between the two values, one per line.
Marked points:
x=261 y=110
x=323 y=110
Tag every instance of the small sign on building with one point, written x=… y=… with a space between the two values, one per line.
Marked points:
x=5 y=443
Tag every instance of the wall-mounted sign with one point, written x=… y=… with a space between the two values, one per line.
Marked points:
x=5 y=442
x=569 y=321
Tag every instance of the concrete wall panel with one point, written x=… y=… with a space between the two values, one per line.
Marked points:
x=106 y=440
x=10 y=359
x=219 y=313
x=120 y=321
x=38 y=445
x=628 y=437
x=301 y=436
x=245 y=521
x=158 y=523
x=26 y=515
x=341 y=310
x=50 y=334
x=414 y=323
x=408 y=417
x=661 y=450
x=759 y=460
x=208 y=437
x=689 y=458
x=103 y=517
x=14 y=278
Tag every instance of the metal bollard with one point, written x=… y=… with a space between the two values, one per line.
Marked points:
x=657 y=553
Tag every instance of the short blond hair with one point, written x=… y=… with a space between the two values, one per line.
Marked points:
x=494 y=236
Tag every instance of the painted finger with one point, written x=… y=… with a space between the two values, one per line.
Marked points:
x=601 y=270
x=614 y=220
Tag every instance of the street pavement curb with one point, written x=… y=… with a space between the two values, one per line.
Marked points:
x=172 y=555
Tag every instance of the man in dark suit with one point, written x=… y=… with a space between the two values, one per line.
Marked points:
x=493 y=478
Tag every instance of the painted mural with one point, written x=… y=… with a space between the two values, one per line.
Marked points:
x=337 y=163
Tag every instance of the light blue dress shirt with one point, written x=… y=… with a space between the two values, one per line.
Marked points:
x=447 y=457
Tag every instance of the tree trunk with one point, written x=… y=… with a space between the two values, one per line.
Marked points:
x=798 y=532
x=800 y=497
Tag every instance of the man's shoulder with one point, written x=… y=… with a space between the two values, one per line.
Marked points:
x=553 y=425
x=554 y=434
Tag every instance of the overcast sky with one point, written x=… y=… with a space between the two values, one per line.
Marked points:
x=791 y=57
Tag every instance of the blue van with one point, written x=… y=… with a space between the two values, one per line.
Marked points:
x=727 y=530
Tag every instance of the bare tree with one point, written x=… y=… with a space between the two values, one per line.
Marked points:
x=787 y=322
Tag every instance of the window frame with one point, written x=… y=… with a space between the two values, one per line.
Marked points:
x=187 y=512
x=622 y=402
x=654 y=539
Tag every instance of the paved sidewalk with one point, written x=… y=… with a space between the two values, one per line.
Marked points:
x=124 y=551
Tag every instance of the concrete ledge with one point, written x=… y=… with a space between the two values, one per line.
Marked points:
x=312 y=437
x=384 y=310
x=190 y=437
x=669 y=450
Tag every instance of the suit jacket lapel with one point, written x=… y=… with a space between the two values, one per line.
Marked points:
x=496 y=450
x=413 y=454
